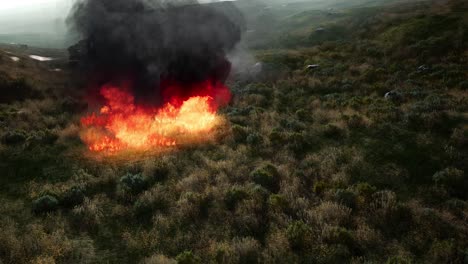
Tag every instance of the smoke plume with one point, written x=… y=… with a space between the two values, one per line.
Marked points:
x=156 y=42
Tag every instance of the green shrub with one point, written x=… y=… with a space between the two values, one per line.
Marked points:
x=15 y=89
x=320 y=187
x=299 y=143
x=303 y=115
x=332 y=132
x=45 y=204
x=233 y=197
x=254 y=139
x=73 y=105
x=452 y=179
x=298 y=234
x=246 y=250
x=399 y=260
x=365 y=189
x=42 y=137
x=443 y=252
x=14 y=137
x=340 y=235
x=268 y=177
x=240 y=133
x=73 y=197
x=278 y=201
x=133 y=183
x=187 y=257
x=463 y=85
x=346 y=197
x=276 y=137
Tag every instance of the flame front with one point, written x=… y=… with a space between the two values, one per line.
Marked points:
x=121 y=124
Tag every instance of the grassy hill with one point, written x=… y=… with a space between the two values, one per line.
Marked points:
x=361 y=159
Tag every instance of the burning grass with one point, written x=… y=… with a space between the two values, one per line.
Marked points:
x=121 y=124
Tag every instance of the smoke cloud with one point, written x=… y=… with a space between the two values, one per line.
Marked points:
x=156 y=42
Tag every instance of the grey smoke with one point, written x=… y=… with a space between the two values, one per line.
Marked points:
x=157 y=41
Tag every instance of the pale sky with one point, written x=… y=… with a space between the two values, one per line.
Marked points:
x=9 y=5
x=37 y=15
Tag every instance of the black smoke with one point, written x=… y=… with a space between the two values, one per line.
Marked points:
x=155 y=42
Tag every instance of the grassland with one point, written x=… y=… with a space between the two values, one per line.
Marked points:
x=314 y=166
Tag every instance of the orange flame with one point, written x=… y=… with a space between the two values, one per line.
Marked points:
x=121 y=124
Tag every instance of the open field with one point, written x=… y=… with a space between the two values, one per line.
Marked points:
x=361 y=158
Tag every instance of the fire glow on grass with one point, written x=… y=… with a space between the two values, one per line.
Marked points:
x=121 y=124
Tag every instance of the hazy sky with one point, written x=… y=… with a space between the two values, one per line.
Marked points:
x=22 y=6
x=38 y=16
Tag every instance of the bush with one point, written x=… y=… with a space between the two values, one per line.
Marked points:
x=340 y=235
x=14 y=137
x=15 y=89
x=332 y=132
x=299 y=143
x=240 y=133
x=45 y=204
x=276 y=137
x=365 y=189
x=158 y=259
x=42 y=137
x=267 y=177
x=233 y=197
x=443 y=252
x=298 y=234
x=187 y=257
x=73 y=197
x=133 y=183
x=278 y=201
x=254 y=139
x=247 y=250
x=452 y=179
x=399 y=260
x=346 y=197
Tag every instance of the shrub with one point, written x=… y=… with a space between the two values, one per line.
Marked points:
x=45 y=204
x=339 y=235
x=332 y=132
x=299 y=143
x=331 y=213
x=73 y=197
x=303 y=115
x=277 y=201
x=187 y=257
x=276 y=137
x=14 y=137
x=157 y=172
x=298 y=234
x=159 y=259
x=233 y=197
x=43 y=137
x=254 y=139
x=247 y=250
x=365 y=189
x=133 y=183
x=73 y=105
x=451 y=178
x=355 y=122
x=240 y=133
x=346 y=197
x=443 y=252
x=15 y=89
x=149 y=201
x=459 y=137
x=399 y=260
x=463 y=85
x=268 y=177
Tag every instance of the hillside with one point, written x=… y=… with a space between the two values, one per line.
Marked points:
x=346 y=143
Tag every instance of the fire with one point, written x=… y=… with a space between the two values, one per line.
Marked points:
x=122 y=124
